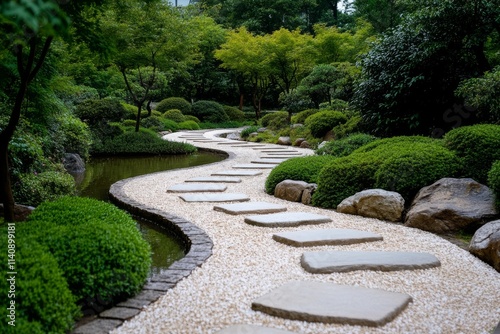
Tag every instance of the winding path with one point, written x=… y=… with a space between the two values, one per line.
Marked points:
x=456 y=294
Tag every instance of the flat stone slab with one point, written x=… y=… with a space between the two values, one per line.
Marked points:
x=286 y=219
x=215 y=179
x=281 y=157
x=225 y=197
x=120 y=313
x=237 y=173
x=233 y=142
x=250 y=207
x=268 y=161
x=252 y=329
x=196 y=188
x=246 y=145
x=333 y=237
x=293 y=153
x=326 y=262
x=98 y=326
x=255 y=166
x=272 y=149
x=331 y=303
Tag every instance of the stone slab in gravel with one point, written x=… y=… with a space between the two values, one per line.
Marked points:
x=246 y=145
x=250 y=207
x=325 y=262
x=331 y=303
x=196 y=188
x=282 y=157
x=120 y=313
x=252 y=329
x=98 y=326
x=311 y=238
x=233 y=142
x=286 y=219
x=282 y=153
x=254 y=166
x=274 y=149
x=237 y=173
x=215 y=179
x=268 y=161
x=226 y=197
x=135 y=303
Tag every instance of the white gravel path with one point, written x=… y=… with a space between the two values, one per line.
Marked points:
x=461 y=296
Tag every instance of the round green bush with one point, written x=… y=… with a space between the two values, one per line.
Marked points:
x=192 y=118
x=100 y=253
x=129 y=122
x=345 y=146
x=301 y=117
x=209 y=111
x=401 y=164
x=168 y=124
x=174 y=115
x=279 y=121
x=494 y=181
x=234 y=114
x=33 y=189
x=131 y=111
x=299 y=169
x=189 y=125
x=97 y=111
x=174 y=103
x=76 y=136
x=353 y=125
x=322 y=122
x=478 y=146
x=274 y=117
x=153 y=123
x=43 y=301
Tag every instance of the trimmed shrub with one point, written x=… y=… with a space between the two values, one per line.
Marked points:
x=352 y=125
x=98 y=248
x=33 y=189
x=345 y=146
x=153 y=123
x=494 y=181
x=209 y=111
x=168 y=124
x=43 y=301
x=174 y=115
x=97 y=111
x=299 y=169
x=401 y=164
x=301 y=116
x=129 y=123
x=192 y=118
x=174 y=103
x=275 y=118
x=76 y=136
x=143 y=142
x=131 y=110
x=322 y=122
x=478 y=146
x=189 y=125
x=234 y=114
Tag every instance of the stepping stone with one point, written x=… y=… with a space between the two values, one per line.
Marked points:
x=326 y=262
x=331 y=303
x=234 y=142
x=333 y=237
x=281 y=157
x=250 y=207
x=237 y=173
x=215 y=179
x=252 y=329
x=268 y=161
x=225 y=197
x=196 y=188
x=255 y=166
x=272 y=150
x=284 y=153
x=206 y=141
x=287 y=219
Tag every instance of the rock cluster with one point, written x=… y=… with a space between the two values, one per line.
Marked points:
x=374 y=203
x=295 y=191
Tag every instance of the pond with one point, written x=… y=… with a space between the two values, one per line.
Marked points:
x=101 y=173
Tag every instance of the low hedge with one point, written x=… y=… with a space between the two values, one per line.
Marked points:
x=192 y=118
x=143 y=142
x=401 y=164
x=189 y=125
x=174 y=103
x=478 y=147
x=99 y=249
x=322 y=122
x=33 y=189
x=302 y=116
x=234 y=114
x=174 y=115
x=43 y=300
x=208 y=111
x=300 y=169
x=494 y=181
x=93 y=112
x=345 y=146
x=275 y=120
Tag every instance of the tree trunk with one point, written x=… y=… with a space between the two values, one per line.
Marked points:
x=138 y=117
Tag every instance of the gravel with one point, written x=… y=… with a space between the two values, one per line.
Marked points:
x=461 y=296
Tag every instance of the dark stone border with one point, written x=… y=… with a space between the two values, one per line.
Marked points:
x=198 y=247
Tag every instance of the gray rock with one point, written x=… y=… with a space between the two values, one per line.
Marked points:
x=307 y=193
x=73 y=163
x=98 y=326
x=485 y=244
x=334 y=237
x=252 y=329
x=450 y=205
x=284 y=141
x=290 y=190
x=253 y=135
x=331 y=303
x=374 y=203
x=261 y=130
x=298 y=141
x=233 y=136
x=120 y=313
x=305 y=144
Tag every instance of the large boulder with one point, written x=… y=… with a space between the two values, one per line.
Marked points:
x=485 y=244
x=233 y=136
x=308 y=192
x=291 y=190
x=284 y=141
x=73 y=163
x=374 y=203
x=451 y=205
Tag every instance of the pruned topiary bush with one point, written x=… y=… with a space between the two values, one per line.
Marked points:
x=234 y=114
x=174 y=115
x=153 y=123
x=322 y=122
x=494 y=181
x=209 y=111
x=192 y=118
x=189 y=125
x=345 y=146
x=275 y=120
x=299 y=169
x=478 y=147
x=174 y=103
x=302 y=116
x=93 y=112
x=33 y=189
x=401 y=164
x=43 y=300
x=100 y=251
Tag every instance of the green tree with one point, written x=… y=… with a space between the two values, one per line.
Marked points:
x=382 y=14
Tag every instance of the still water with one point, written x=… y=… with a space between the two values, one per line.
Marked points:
x=101 y=173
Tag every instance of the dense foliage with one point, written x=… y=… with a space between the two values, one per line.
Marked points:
x=174 y=103
x=321 y=122
x=494 y=181
x=209 y=111
x=33 y=189
x=175 y=115
x=345 y=146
